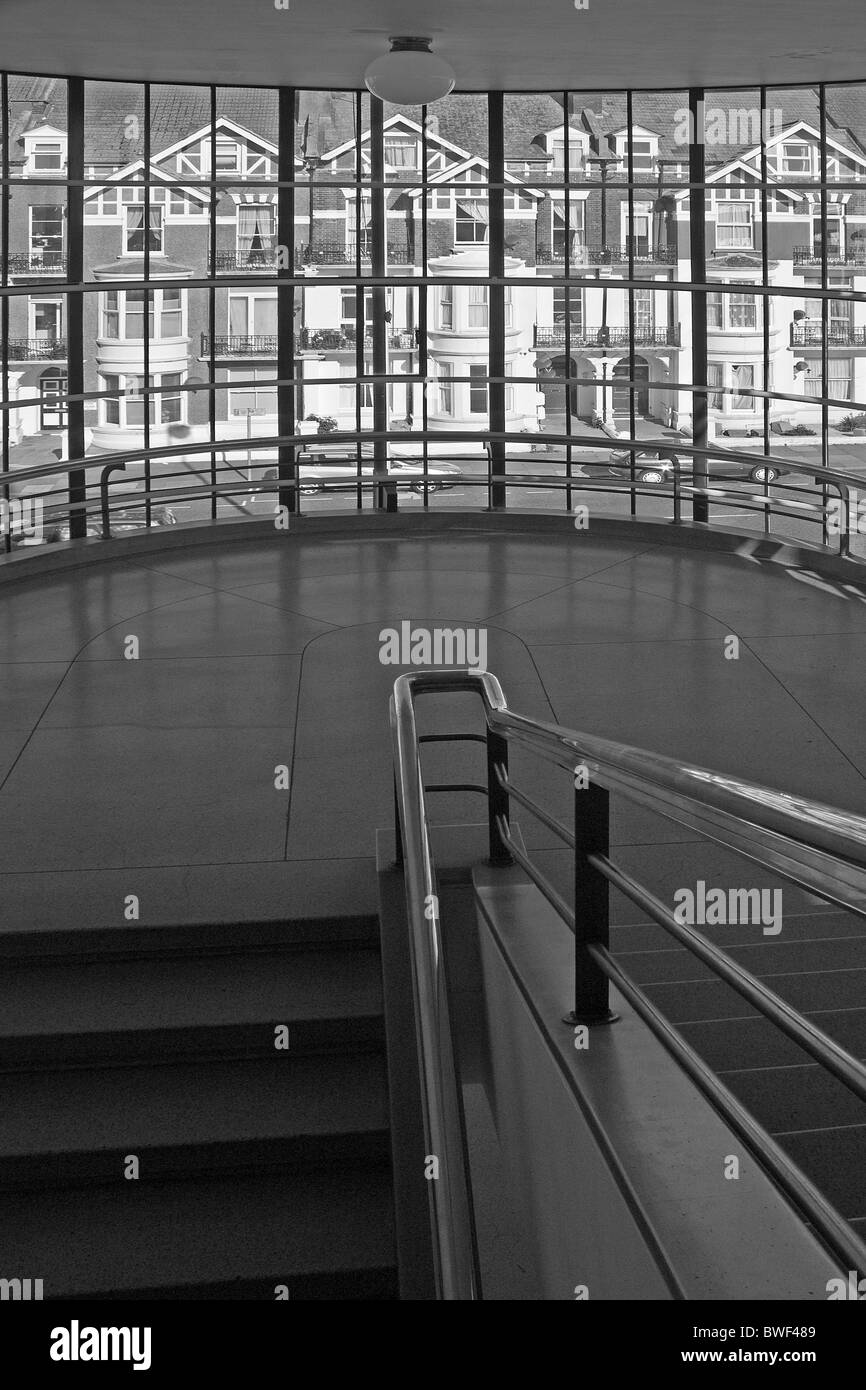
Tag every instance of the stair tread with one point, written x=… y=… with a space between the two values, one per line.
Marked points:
x=133 y=1109
x=129 y=1235
x=39 y=999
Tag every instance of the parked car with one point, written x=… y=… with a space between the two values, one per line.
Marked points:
x=657 y=466
x=407 y=472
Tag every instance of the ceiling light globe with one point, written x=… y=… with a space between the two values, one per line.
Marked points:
x=410 y=75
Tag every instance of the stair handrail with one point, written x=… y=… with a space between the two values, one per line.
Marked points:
x=808 y=842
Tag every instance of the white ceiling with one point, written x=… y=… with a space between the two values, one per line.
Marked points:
x=518 y=44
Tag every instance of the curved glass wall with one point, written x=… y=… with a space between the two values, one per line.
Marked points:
x=232 y=286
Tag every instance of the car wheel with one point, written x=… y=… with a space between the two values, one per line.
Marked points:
x=651 y=475
x=419 y=488
x=310 y=489
x=760 y=475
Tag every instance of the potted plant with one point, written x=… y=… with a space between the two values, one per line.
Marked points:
x=327 y=424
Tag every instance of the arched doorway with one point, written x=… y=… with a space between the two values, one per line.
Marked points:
x=565 y=368
x=621 y=377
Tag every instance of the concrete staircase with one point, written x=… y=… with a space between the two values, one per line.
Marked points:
x=818 y=964
x=261 y=1172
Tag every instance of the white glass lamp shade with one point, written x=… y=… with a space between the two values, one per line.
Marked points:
x=410 y=75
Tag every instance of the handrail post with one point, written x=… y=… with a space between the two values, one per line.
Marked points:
x=398 y=833
x=591 y=905
x=497 y=797
x=103 y=492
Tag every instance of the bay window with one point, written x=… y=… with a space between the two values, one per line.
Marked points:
x=478 y=388
x=742 y=380
x=479 y=312
x=126 y=406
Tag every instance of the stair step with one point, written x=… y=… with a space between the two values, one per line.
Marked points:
x=135 y=940
x=796 y=1097
x=77 y=1126
x=229 y=1238
x=728 y=1043
x=771 y=957
x=54 y=1014
x=835 y=1159
x=807 y=991
x=818 y=926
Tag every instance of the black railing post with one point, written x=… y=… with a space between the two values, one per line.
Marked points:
x=398 y=834
x=591 y=905
x=497 y=797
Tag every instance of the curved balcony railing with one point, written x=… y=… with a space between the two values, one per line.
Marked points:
x=838 y=335
x=736 y=479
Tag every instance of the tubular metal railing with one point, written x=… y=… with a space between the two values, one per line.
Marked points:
x=808 y=843
x=727 y=481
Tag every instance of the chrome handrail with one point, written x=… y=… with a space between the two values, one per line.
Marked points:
x=449 y=1191
x=804 y=841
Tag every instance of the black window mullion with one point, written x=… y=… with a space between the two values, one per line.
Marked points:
x=4 y=307
x=698 y=251
x=212 y=256
x=360 y=319
x=630 y=242
x=765 y=300
x=496 y=294
x=286 y=408
x=75 y=306
x=379 y=296
x=566 y=260
x=148 y=310
x=825 y=310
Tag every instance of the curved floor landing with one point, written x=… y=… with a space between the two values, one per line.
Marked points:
x=156 y=776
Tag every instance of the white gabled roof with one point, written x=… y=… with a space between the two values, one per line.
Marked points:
x=410 y=127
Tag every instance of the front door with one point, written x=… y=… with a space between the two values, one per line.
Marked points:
x=52 y=407
x=621 y=402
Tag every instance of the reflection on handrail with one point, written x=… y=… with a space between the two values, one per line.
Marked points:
x=820 y=847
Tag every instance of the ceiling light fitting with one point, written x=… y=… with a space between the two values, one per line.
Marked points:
x=410 y=75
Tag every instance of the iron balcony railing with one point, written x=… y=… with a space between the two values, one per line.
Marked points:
x=852 y=255
x=606 y=255
x=838 y=335
x=813 y=845
x=344 y=340
x=36 y=349
x=333 y=252
x=37 y=263
x=554 y=336
x=239 y=345
x=262 y=259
